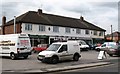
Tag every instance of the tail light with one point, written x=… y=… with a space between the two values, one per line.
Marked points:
x=18 y=50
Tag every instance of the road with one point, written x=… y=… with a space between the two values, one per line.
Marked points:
x=32 y=63
x=106 y=68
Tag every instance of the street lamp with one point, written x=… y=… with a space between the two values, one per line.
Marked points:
x=14 y=24
x=111 y=33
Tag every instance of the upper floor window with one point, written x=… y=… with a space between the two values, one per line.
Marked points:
x=41 y=28
x=86 y=31
x=95 y=32
x=101 y=34
x=78 y=31
x=28 y=26
x=67 y=30
x=55 y=29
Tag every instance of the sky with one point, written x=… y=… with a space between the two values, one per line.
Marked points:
x=102 y=13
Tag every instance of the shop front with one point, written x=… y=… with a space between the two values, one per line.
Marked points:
x=38 y=39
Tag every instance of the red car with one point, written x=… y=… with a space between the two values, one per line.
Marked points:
x=40 y=47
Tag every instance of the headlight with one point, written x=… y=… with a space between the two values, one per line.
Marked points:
x=47 y=55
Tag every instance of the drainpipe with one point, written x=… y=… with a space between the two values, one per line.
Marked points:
x=14 y=24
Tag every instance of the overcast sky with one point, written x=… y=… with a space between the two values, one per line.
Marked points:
x=102 y=13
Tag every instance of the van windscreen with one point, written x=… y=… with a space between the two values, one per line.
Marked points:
x=53 y=47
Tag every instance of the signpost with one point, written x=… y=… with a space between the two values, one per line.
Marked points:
x=101 y=55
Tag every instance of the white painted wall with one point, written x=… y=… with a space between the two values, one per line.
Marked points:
x=35 y=31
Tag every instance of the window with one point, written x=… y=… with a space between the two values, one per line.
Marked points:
x=78 y=31
x=86 y=31
x=67 y=30
x=55 y=29
x=101 y=34
x=41 y=28
x=95 y=32
x=63 y=48
x=28 y=26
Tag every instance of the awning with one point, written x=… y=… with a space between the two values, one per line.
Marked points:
x=38 y=36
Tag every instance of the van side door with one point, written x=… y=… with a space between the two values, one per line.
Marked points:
x=63 y=52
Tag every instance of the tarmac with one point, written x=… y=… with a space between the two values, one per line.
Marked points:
x=51 y=70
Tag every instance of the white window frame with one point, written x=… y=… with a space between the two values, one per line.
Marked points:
x=55 y=29
x=67 y=30
x=87 y=32
x=78 y=31
x=95 y=33
x=28 y=27
x=41 y=28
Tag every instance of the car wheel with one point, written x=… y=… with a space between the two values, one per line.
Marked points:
x=25 y=57
x=54 y=60
x=98 y=49
x=12 y=56
x=76 y=57
x=111 y=55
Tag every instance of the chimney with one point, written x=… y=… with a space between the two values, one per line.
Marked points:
x=39 y=11
x=3 y=24
x=3 y=20
x=82 y=18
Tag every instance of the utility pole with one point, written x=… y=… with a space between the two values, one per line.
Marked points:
x=111 y=33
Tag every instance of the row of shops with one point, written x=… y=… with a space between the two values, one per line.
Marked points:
x=43 y=39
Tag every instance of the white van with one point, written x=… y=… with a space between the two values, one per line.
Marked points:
x=15 y=45
x=60 y=51
x=83 y=45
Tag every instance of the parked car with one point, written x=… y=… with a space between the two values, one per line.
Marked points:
x=40 y=47
x=114 y=50
x=60 y=51
x=105 y=45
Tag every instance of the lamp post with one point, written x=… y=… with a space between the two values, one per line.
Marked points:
x=111 y=33
x=14 y=24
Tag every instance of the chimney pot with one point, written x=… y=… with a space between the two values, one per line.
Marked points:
x=39 y=11
x=81 y=18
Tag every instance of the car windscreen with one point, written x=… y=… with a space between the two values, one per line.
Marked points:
x=115 y=47
x=53 y=47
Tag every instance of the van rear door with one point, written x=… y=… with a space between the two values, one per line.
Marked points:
x=24 y=44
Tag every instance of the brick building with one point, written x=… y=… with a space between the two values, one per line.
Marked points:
x=114 y=36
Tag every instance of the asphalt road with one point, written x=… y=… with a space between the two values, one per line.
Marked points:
x=106 y=68
x=33 y=64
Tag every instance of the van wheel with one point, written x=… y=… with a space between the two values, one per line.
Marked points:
x=76 y=57
x=12 y=55
x=25 y=57
x=54 y=60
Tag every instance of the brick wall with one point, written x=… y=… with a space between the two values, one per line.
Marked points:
x=0 y=31
x=10 y=29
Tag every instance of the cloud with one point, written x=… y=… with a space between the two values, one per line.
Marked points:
x=102 y=13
